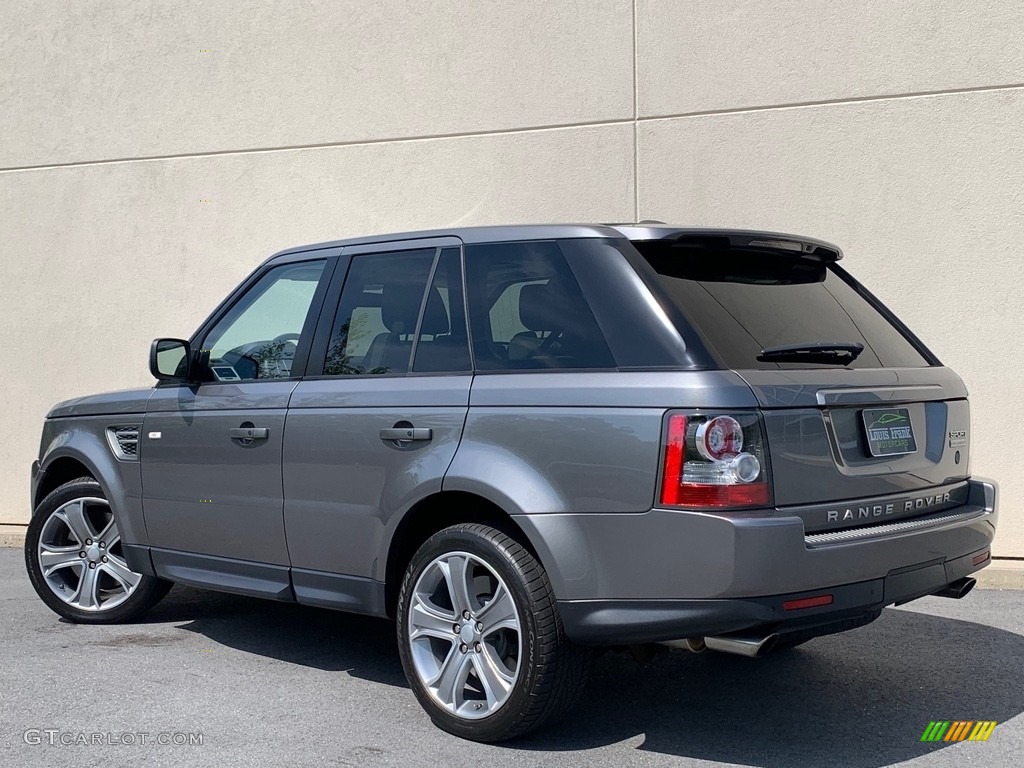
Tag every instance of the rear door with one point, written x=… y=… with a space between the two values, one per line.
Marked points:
x=376 y=422
x=852 y=441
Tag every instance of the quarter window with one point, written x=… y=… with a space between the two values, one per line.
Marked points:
x=527 y=310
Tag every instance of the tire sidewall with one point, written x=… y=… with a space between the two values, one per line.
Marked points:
x=458 y=539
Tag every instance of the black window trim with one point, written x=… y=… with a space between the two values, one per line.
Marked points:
x=423 y=308
x=887 y=313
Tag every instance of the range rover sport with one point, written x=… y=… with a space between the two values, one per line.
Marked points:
x=522 y=442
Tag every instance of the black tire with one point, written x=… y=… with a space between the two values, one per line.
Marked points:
x=149 y=591
x=552 y=670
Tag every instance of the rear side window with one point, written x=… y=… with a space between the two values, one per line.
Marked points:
x=741 y=302
x=377 y=315
x=527 y=311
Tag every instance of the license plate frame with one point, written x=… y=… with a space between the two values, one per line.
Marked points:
x=889 y=432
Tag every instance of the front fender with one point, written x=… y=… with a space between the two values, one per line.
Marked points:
x=84 y=441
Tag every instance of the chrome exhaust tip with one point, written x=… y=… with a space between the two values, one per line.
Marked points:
x=957 y=589
x=742 y=645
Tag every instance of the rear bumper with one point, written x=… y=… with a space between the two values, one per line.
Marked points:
x=666 y=575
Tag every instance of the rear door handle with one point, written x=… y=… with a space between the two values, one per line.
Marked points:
x=249 y=433
x=406 y=433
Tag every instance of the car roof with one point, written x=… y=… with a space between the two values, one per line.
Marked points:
x=640 y=231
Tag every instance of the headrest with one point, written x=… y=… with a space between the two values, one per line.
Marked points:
x=400 y=306
x=538 y=306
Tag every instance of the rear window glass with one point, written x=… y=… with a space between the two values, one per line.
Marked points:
x=742 y=302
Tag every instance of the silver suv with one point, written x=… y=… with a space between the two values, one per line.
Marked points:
x=523 y=441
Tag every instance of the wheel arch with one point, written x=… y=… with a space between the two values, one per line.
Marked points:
x=58 y=471
x=79 y=448
x=434 y=513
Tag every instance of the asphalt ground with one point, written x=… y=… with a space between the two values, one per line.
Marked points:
x=266 y=684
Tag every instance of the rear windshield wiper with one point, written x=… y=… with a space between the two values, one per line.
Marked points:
x=832 y=352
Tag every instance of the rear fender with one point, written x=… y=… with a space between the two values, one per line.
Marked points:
x=519 y=489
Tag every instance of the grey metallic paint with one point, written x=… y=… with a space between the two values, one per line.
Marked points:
x=124 y=401
x=205 y=492
x=345 y=487
x=573 y=457
x=666 y=554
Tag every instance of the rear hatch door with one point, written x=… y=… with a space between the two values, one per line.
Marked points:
x=863 y=423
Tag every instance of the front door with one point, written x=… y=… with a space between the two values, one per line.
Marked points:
x=211 y=454
x=374 y=426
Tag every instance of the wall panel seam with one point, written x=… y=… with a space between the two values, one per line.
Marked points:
x=634 y=121
x=327 y=145
x=832 y=102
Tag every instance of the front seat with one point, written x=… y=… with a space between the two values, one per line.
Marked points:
x=399 y=308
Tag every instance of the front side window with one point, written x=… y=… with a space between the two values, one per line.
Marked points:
x=378 y=312
x=527 y=310
x=259 y=335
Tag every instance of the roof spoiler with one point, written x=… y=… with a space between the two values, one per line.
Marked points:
x=807 y=248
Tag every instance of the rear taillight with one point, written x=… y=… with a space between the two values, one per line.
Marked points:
x=714 y=461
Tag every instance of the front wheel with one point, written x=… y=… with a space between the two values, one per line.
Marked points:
x=480 y=637
x=76 y=561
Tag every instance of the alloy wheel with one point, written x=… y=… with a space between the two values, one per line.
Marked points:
x=81 y=557
x=465 y=635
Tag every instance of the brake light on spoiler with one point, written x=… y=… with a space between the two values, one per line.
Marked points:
x=714 y=462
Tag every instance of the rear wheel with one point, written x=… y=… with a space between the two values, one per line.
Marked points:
x=76 y=563
x=480 y=637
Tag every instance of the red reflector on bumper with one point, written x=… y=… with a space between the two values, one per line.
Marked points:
x=979 y=559
x=807 y=602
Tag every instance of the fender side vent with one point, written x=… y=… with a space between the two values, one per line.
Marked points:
x=124 y=441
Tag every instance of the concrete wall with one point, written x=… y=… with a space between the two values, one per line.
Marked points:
x=153 y=152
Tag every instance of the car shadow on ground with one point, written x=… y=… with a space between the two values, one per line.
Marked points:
x=862 y=699
x=332 y=641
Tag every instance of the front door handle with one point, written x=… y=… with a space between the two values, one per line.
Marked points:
x=406 y=434
x=249 y=433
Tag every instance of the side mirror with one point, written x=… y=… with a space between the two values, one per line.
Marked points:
x=169 y=359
